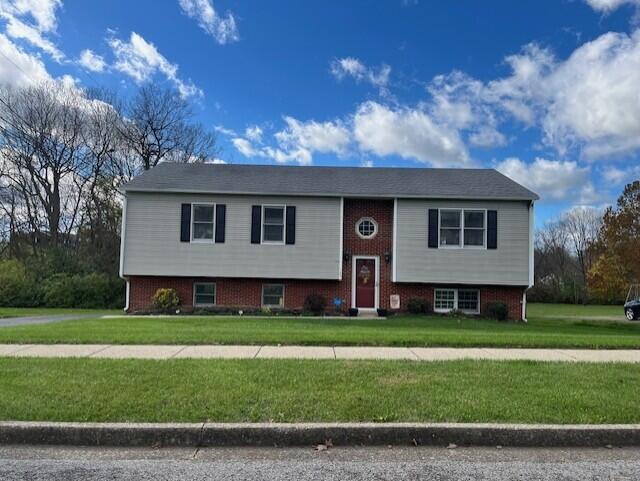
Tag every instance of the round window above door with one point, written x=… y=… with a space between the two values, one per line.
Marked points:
x=366 y=228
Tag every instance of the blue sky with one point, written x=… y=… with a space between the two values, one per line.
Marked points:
x=546 y=92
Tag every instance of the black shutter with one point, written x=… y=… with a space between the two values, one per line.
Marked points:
x=185 y=223
x=256 y=223
x=221 y=211
x=433 y=228
x=492 y=229
x=290 y=235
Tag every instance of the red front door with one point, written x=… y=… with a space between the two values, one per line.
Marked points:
x=365 y=283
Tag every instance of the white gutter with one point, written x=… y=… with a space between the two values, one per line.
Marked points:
x=123 y=228
x=531 y=263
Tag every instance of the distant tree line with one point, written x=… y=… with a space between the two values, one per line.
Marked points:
x=64 y=152
x=589 y=255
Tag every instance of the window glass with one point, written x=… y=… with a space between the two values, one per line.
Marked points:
x=449 y=218
x=273 y=295
x=273 y=224
x=473 y=228
x=205 y=294
x=468 y=300
x=450 y=227
x=203 y=222
x=445 y=299
x=366 y=228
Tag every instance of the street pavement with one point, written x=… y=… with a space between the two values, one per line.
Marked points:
x=23 y=321
x=339 y=464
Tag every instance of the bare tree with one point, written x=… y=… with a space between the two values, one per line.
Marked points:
x=43 y=157
x=160 y=126
x=582 y=226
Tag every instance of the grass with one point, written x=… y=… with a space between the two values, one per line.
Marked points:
x=51 y=311
x=395 y=331
x=535 y=310
x=306 y=391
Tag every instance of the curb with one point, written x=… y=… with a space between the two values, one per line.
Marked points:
x=307 y=434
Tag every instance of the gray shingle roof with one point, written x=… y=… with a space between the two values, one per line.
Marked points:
x=330 y=181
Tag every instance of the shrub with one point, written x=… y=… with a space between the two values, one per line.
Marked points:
x=418 y=305
x=166 y=300
x=90 y=291
x=497 y=310
x=17 y=287
x=315 y=303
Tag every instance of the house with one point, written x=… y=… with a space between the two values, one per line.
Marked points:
x=259 y=235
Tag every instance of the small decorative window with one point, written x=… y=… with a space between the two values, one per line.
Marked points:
x=445 y=300
x=450 y=227
x=366 y=228
x=204 y=294
x=273 y=295
x=273 y=224
x=474 y=228
x=202 y=223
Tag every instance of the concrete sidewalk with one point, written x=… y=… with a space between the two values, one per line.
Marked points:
x=44 y=319
x=107 y=351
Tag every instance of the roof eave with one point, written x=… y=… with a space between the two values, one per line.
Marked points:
x=532 y=197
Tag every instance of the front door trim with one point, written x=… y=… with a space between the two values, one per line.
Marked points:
x=376 y=260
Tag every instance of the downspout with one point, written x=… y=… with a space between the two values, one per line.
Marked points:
x=531 y=266
x=122 y=234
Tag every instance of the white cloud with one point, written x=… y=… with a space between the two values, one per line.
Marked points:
x=225 y=131
x=327 y=137
x=409 y=133
x=551 y=179
x=607 y=6
x=297 y=142
x=18 y=68
x=43 y=12
x=92 y=61
x=20 y=30
x=618 y=176
x=354 y=68
x=218 y=161
x=366 y=163
x=253 y=133
x=223 y=29
x=31 y=20
x=140 y=60
x=244 y=147
x=593 y=97
x=487 y=136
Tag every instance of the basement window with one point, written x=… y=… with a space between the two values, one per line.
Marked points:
x=204 y=294
x=273 y=295
x=466 y=300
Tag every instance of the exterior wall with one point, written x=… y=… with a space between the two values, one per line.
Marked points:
x=246 y=292
x=506 y=265
x=152 y=244
x=243 y=293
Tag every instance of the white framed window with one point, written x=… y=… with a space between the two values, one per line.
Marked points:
x=445 y=300
x=366 y=228
x=202 y=222
x=273 y=295
x=463 y=299
x=273 y=222
x=204 y=293
x=462 y=228
x=450 y=227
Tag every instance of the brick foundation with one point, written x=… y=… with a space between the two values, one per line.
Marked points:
x=245 y=292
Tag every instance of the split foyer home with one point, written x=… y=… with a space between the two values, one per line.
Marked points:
x=268 y=236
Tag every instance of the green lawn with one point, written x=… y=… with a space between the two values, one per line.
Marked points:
x=289 y=390
x=51 y=311
x=395 y=331
x=558 y=310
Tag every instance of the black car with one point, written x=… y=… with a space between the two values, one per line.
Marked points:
x=632 y=306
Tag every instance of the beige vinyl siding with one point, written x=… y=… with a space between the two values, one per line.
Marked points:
x=152 y=242
x=506 y=265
